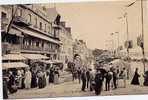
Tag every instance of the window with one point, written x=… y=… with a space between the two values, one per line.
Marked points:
x=49 y=29
x=20 y=12
x=45 y=28
x=40 y=25
x=42 y=44
x=29 y=17
x=37 y=43
x=36 y=22
x=4 y=15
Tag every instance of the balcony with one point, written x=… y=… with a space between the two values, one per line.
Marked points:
x=7 y=47
x=18 y=20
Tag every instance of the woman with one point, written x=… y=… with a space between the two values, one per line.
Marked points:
x=27 y=79
x=135 y=80
x=51 y=75
x=34 y=80
x=11 y=83
x=56 y=76
x=40 y=79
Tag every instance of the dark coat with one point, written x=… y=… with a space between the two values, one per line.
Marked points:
x=34 y=80
x=5 y=89
x=98 y=83
x=135 y=80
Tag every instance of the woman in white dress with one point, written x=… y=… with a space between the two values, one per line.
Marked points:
x=27 y=80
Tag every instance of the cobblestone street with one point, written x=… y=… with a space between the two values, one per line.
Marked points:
x=67 y=89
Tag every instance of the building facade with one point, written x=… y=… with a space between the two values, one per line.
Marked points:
x=29 y=29
x=66 y=49
x=80 y=48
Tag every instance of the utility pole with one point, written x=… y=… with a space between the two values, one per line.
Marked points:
x=127 y=32
x=142 y=27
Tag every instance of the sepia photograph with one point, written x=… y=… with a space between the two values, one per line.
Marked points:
x=74 y=49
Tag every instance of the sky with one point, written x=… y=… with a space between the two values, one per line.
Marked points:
x=95 y=21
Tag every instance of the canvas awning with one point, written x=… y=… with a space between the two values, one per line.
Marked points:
x=34 y=56
x=14 y=65
x=13 y=57
x=46 y=61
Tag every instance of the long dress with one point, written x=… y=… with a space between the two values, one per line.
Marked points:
x=135 y=80
x=51 y=76
x=56 y=77
x=27 y=80
x=40 y=79
x=34 y=80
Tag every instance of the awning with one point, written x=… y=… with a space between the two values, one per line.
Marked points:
x=34 y=56
x=57 y=61
x=13 y=57
x=14 y=65
x=38 y=35
x=46 y=61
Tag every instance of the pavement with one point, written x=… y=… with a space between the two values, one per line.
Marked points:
x=68 y=88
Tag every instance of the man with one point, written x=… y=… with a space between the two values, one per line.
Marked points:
x=5 y=88
x=98 y=82
x=91 y=80
x=83 y=77
x=108 y=78
x=114 y=78
x=79 y=74
x=124 y=75
x=88 y=77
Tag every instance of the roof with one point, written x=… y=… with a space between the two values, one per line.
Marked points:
x=13 y=57
x=34 y=56
x=52 y=14
x=14 y=65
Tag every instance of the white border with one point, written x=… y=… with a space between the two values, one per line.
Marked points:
x=125 y=97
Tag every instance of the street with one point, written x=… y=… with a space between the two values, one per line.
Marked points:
x=70 y=88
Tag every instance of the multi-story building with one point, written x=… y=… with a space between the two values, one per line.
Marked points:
x=66 y=48
x=30 y=29
x=80 y=48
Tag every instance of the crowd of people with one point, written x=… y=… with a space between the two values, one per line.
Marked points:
x=109 y=78
x=27 y=78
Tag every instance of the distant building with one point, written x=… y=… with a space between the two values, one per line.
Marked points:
x=80 y=48
x=66 y=49
x=34 y=30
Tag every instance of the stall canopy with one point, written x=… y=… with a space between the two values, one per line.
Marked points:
x=34 y=56
x=13 y=57
x=14 y=65
x=46 y=61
